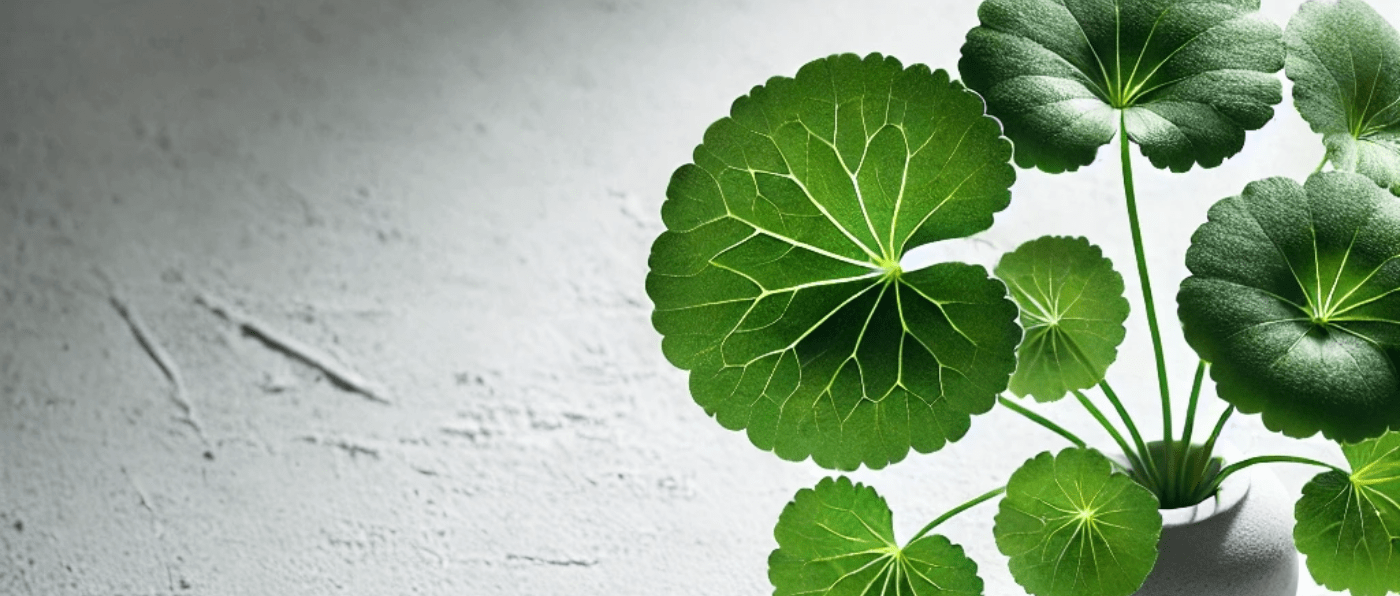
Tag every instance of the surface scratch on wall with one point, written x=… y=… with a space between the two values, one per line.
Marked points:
x=162 y=359
x=339 y=374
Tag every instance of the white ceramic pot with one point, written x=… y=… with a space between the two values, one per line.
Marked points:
x=1239 y=543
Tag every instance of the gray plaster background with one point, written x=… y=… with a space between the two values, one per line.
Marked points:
x=455 y=200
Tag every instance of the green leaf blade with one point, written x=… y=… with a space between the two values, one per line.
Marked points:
x=837 y=539
x=1348 y=527
x=1295 y=300
x=1073 y=527
x=1193 y=76
x=1342 y=59
x=777 y=282
x=1072 y=308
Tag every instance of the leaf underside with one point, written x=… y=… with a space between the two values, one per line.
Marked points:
x=1072 y=310
x=1349 y=526
x=1294 y=298
x=1344 y=61
x=1073 y=527
x=838 y=540
x=777 y=282
x=1191 y=76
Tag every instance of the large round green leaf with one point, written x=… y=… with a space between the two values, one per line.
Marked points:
x=777 y=282
x=1344 y=61
x=1349 y=526
x=838 y=540
x=1191 y=76
x=1295 y=300
x=1073 y=527
x=1072 y=309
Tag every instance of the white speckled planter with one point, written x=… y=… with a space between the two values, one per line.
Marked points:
x=1239 y=543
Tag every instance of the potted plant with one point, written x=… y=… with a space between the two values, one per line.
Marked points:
x=779 y=285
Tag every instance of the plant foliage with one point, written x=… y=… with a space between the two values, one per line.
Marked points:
x=838 y=540
x=779 y=285
x=1191 y=76
x=1074 y=527
x=1072 y=310
x=1344 y=61
x=1294 y=297
x=777 y=282
x=1349 y=526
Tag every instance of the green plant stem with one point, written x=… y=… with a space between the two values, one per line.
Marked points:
x=1131 y=197
x=1041 y=420
x=1133 y=456
x=1263 y=459
x=956 y=510
x=1191 y=406
x=1151 y=467
x=1320 y=165
x=1184 y=468
x=1215 y=433
x=1208 y=451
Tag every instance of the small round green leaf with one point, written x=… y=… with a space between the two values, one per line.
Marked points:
x=1072 y=310
x=1349 y=526
x=1294 y=298
x=1191 y=76
x=838 y=540
x=1073 y=527
x=777 y=282
x=1344 y=61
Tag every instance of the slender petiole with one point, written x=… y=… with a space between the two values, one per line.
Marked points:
x=1151 y=308
x=1263 y=459
x=1191 y=406
x=1186 y=462
x=1320 y=165
x=956 y=510
x=1132 y=430
x=1208 y=451
x=1133 y=456
x=1215 y=433
x=1041 y=420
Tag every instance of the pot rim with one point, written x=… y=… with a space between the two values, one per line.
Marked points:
x=1227 y=498
x=1230 y=495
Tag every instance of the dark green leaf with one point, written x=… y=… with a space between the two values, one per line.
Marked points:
x=1191 y=76
x=1072 y=310
x=1344 y=61
x=1295 y=299
x=838 y=540
x=1073 y=527
x=1349 y=526
x=777 y=282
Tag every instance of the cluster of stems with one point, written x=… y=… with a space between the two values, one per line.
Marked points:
x=1178 y=472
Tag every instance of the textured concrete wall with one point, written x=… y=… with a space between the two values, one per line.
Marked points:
x=449 y=205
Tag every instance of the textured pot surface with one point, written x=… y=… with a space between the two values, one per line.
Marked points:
x=1239 y=543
